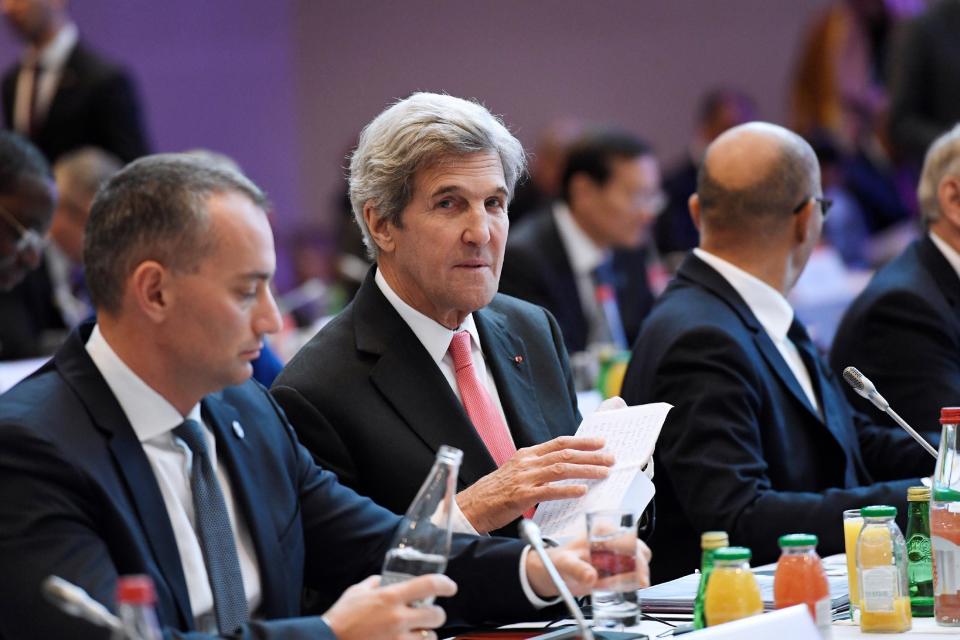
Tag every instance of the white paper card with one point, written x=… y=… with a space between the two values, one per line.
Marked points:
x=631 y=434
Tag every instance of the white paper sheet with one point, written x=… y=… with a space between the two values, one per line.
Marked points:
x=631 y=434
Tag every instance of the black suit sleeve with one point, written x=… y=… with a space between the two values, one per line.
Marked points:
x=119 y=119
x=902 y=344
x=711 y=444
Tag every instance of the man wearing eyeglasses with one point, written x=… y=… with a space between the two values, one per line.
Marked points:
x=26 y=206
x=585 y=259
x=761 y=440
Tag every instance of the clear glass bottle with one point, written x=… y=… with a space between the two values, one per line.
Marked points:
x=732 y=592
x=919 y=555
x=882 y=568
x=710 y=541
x=945 y=523
x=422 y=542
x=136 y=608
x=800 y=579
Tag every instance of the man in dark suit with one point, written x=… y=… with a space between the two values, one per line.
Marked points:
x=62 y=95
x=427 y=353
x=143 y=447
x=584 y=259
x=903 y=330
x=761 y=440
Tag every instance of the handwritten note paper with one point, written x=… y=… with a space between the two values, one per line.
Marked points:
x=631 y=434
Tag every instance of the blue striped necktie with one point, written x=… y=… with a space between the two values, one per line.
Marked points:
x=214 y=532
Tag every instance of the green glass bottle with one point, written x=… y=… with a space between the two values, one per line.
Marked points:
x=710 y=541
x=919 y=560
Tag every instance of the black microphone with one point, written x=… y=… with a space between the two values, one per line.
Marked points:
x=531 y=533
x=76 y=602
x=866 y=389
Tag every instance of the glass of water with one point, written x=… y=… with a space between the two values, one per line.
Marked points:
x=612 y=536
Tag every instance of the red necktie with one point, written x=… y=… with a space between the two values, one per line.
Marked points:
x=480 y=406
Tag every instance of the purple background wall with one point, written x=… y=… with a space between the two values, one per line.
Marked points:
x=284 y=86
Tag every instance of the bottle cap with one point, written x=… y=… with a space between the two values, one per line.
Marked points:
x=950 y=415
x=732 y=553
x=879 y=511
x=946 y=495
x=798 y=540
x=450 y=454
x=714 y=539
x=136 y=589
x=918 y=494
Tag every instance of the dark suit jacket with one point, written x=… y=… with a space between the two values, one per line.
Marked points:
x=903 y=332
x=371 y=405
x=742 y=450
x=28 y=316
x=96 y=104
x=79 y=499
x=536 y=268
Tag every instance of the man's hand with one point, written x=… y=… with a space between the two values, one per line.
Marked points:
x=368 y=611
x=528 y=478
x=573 y=562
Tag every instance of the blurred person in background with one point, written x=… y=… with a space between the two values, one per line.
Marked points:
x=62 y=95
x=549 y=157
x=27 y=197
x=674 y=232
x=585 y=257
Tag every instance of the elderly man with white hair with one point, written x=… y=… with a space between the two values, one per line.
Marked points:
x=903 y=331
x=428 y=353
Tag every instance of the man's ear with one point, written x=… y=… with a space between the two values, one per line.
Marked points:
x=381 y=230
x=693 y=203
x=149 y=287
x=948 y=197
x=801 y=221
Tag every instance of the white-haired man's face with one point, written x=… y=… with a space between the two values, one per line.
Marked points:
x=445 y=258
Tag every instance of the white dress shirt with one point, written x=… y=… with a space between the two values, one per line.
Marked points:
x=51 y=59
x=153 y=420
x=436 y=338
x=585 y=256
x=948 y=252
x=772 y=311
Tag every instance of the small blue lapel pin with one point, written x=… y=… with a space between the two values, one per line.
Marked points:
x=238 y=429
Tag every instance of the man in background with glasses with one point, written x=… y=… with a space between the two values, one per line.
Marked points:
x=761 y=440
x=27 y=197
x=584 y=258
x=903 y=330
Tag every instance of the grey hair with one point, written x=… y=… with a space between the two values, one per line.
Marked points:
x=154 y=209
x=82 y=172
x=943 y=159
x=415 y=133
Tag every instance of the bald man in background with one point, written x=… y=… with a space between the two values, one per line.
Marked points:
x=761 y=440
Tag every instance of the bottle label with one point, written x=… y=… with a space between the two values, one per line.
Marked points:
x=823 y=616
x=878 y=588
x=947 y=560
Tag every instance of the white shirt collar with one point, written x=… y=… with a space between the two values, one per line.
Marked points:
x=769 y=306
x=54 y=55
x=948 y=252
x=583 y=253
x=149 y=413
x=434 y=336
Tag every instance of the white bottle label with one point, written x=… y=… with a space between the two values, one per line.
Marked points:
x=878 y=588
x=946 y=557
x=823 y=617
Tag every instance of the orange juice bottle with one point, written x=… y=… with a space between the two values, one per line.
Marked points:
x=732 y=592
x=800 y=579
x=882 y=568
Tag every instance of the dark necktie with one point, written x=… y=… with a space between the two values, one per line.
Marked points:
x=605 y=290
x=811 y=360
x=215 y=533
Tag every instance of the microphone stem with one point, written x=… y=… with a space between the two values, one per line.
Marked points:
x=585 y=632
x=916 y=436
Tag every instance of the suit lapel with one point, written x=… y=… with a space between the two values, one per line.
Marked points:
x=948 y=283
x=241 y=460
x=776 y=362
x=564 y=282
x=506 y=356
x=130 y=462
x=413 y=384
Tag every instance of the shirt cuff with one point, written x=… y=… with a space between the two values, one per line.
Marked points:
x=459 y=522
x=535 y=600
